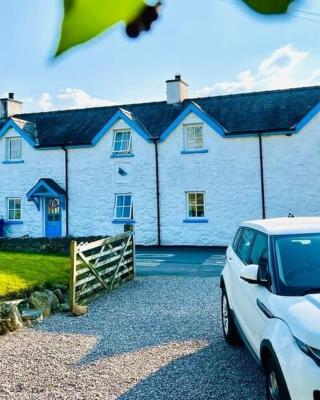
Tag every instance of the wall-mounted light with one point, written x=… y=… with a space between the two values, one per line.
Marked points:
x=122 y=172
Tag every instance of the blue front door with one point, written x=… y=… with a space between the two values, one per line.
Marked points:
x=53 y=217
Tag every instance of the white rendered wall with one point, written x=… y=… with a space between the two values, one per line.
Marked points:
x=94 y=181
x=229 y=176
x=292 y=165
x=17 y=179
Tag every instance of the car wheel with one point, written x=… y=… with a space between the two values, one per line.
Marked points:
x=275 y=383
x=228 y=325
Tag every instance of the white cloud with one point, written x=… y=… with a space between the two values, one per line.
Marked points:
x=70 y=98
x=313 y=78
x=278 y=71
x=77 y=98
x=284 y=59
x=45 y=102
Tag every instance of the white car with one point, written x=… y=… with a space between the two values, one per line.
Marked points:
x=270 y=299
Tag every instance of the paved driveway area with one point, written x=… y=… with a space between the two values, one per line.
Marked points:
x=180 y=261
x=158 y=337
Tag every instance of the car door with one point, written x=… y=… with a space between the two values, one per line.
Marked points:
x=231 y=270
x=237 y=260
x=254 y=321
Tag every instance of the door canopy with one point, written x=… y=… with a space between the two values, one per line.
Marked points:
x=46 y=187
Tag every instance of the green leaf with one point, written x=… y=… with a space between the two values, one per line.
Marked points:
x=85 y=19
x=269 y=6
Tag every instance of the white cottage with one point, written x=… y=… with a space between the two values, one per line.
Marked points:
x=184 y=171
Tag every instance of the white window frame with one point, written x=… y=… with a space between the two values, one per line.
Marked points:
x=9 y=149
x=115 y=207
x=14 y=208
x=188 y=205
x=121 y=152
x=193 y=146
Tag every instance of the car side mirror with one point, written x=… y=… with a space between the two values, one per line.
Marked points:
x=249 y=274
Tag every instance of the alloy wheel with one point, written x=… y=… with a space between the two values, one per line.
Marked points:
x=273 y=386
x=225 y=314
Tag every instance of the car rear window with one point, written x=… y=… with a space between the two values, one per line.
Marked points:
x=244 y=244
x=236 y=238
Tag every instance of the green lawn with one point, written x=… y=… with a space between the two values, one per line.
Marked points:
x=21 y=271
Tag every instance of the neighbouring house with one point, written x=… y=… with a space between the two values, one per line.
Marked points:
x=184 y=171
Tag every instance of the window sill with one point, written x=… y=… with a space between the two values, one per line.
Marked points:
x=13 y=162
x=195 y=221
x=124 y=221
x=194 y=151
x=13 y=222
x=122 y=155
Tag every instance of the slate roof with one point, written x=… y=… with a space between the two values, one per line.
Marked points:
x=268 y=111
x=52 y=184
x=2 y=123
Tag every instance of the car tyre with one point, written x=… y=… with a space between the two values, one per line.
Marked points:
x=276 y=388
x=229 y=328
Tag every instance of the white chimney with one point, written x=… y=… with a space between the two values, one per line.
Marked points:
x=177 y=90
x=9 y=106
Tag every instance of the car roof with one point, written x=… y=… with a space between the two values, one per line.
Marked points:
x=285 y=226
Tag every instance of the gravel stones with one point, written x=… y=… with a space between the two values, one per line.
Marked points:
x=152 y=339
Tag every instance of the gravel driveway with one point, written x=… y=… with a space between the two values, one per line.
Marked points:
x=156 y=338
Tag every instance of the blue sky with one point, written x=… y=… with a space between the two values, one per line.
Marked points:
x=217 y=45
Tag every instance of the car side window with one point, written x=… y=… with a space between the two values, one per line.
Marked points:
x=236 y=239
x=259 y=252
x=244 y=244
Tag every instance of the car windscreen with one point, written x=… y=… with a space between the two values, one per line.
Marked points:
x=298 y=263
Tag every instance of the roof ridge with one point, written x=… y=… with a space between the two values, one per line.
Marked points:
x=192 y=99
x=298 y=88
x=117 y=106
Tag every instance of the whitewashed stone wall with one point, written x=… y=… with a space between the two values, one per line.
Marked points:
x=292 y=165
x=17 y=179
x=229 y=176
x=94 y=181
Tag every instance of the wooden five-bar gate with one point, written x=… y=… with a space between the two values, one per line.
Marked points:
x=101 y=265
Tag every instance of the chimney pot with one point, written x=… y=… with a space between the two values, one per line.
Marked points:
x=11 y=96
x=178 y=77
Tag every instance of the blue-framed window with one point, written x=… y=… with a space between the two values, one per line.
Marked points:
x=13 y=209
x=193 y=137
x=123 y=209
x=122 y=142
x=195 y=205
x=14 y=149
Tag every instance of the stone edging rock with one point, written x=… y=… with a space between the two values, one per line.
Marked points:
x=25 y=312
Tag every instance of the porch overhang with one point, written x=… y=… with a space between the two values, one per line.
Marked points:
x=46 y=187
